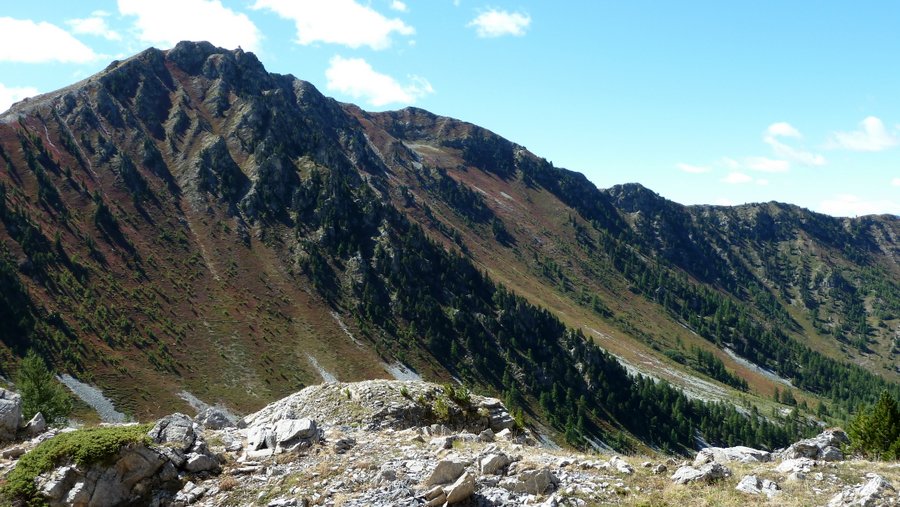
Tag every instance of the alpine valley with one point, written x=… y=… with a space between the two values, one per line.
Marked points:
x=186 y=226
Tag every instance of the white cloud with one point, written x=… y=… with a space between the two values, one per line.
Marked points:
x=693 y=169
x=895 y=182
x=762 y=182
x=397 y=5
x=356 y=78
x=871 y=136
x=94 y=25
x=845 y=205
x=167 y=22
x=24 y=41
x=497 y=23
x=11 y=95
x=343 y=22
x=737 y=178
x=784 y=129
x=766 y=165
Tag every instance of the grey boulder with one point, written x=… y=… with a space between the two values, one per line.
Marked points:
x=10 y=414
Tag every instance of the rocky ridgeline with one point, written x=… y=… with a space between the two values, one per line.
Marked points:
x=393 y=443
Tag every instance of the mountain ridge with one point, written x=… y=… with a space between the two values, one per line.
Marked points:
x=213 y=221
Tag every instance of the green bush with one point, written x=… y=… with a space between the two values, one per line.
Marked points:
x=40 y=390
x=82 y=447
x=875 y=431
x=460 y=395
x=441 y=410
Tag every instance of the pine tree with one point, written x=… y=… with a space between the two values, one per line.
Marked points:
x=876 y=431
x=40 y=391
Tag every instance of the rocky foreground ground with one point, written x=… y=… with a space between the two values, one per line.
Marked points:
x=394 y=443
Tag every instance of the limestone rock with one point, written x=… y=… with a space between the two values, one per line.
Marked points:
x=344 y=444
x=443 y=442
x=55 y=484
x=123 y=482
x=215 y=419
x=753 y=485
x=831 y=453
x=738 y=454
x=197 y=462
x=708 y=473
x=288 y=431
x=446 y=472
x=796 y=465
x=260 y=437
x=817 y=447
x=439 y=498
x=462 y=489
x=176 y=430
x=876 y=492
x=621 y=466
x=534 y=482
x=500 y=419
x=494 y=463
x=13 y=452
x=36 y=425
x=10 y=414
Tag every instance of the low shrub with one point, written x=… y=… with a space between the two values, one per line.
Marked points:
x=82 y=447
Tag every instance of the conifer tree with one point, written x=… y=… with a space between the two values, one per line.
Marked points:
x=40 y=391
x=875 y=431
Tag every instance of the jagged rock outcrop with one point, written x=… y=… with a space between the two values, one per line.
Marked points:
x=138 y=473
x=36 y=425
x=740 y=454
x=824 y=446
x=708 y=473
x=215 y=419
x=875 y=492
x=10 y=414
x=753 y=485
x=381 y=404
x=376 y=458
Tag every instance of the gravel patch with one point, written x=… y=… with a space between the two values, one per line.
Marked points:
x=94 y=398
x=401 y=372
x=325 y=374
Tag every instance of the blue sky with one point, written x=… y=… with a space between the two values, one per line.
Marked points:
x=702 y=101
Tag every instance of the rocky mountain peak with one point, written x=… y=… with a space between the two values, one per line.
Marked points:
x=634 y=197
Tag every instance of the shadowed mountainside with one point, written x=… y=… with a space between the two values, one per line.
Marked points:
x=187 y=221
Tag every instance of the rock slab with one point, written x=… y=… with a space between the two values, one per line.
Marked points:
x=708 y=473
x=10 y=414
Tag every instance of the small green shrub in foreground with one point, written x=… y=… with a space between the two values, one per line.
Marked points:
x=83 y=447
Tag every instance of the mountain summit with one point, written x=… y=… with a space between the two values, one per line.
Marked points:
x=186 y=226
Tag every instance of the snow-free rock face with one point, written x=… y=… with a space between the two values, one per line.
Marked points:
x=138 y=474
x=753 y=485
x=380 y=404
x=10 y=414
x=824 y=446
x=708 y=473
x=285 y=459
x=215 y=419
x=36 y=425
x=875 y=492
x=739 y=454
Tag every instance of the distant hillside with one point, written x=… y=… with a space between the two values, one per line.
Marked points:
x=187 y=224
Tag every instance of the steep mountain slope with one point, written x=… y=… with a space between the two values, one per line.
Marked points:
x=185 y=220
